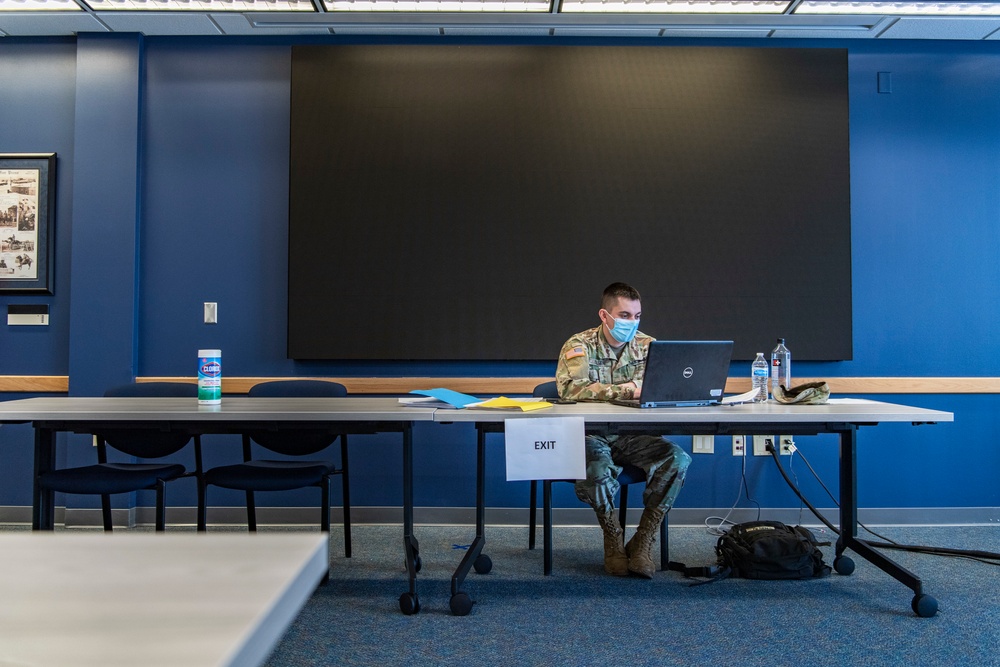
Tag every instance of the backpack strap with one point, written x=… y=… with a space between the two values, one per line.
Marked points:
x=710 y=573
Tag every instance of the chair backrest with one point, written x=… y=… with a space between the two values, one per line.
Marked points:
x=149 y=443
x=297 y=388
x=298 y=442
x=546 y=390
x=155 y=390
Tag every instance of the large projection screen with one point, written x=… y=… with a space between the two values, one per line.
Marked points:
x=471 y=202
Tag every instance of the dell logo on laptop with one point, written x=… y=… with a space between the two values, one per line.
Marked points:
x=688 y=372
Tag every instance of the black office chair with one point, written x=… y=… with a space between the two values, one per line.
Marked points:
x=629 y=475
x=106 y=478
x=267 y=475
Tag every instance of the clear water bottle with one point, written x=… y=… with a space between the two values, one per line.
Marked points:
x=781 y=367
x=759 y=375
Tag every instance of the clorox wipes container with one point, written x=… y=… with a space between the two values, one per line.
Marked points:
x=209 y=377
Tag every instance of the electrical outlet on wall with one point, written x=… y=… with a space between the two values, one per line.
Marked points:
x=786 y=445
x=739 y=445
x=760 y=444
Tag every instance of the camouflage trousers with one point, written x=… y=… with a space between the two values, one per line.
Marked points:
x=664 y=462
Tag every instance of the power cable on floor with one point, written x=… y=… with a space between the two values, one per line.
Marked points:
x=985 y=557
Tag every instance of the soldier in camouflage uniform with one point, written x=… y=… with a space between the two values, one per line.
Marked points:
x=604 y=363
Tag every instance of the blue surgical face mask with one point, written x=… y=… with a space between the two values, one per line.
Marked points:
x=624 y=330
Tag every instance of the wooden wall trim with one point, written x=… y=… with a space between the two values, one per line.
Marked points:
x=38 y=384
x=31 y=384
x=524 y=385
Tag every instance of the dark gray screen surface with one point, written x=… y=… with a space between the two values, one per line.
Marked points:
x=471 y=202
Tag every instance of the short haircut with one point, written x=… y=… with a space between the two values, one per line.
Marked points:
x=616 y=291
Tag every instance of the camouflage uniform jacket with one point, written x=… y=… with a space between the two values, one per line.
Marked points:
x=590 y=370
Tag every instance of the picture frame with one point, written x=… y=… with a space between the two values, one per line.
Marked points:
x=27 y=212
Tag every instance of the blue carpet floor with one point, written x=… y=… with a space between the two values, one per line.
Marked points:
x=581 y=616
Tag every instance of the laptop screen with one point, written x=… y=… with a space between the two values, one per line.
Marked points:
x=685 y=372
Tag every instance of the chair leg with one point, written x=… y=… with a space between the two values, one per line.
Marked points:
x=324 y=504
x=623 y=506
x=533 y=504
x=346 y=501
x=202 y=506
x=251 y=513
x=664 y=546
x=106 y=511
x=161 y=511
x=325 y=522
x=547 y=526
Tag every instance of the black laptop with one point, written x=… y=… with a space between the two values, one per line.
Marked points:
x=684 y=373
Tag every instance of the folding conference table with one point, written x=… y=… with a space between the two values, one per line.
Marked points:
x=122 y=600
x=842 y=417
x=351 y=415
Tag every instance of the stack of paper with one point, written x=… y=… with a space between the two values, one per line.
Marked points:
x=439 y=398
x=504 y=403
x=745 y=397
x=447 y=398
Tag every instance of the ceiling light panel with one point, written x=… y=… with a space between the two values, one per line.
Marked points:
x=39 y=6
x=437 y=5
x=914 y=27
x=675 y=6
x=900 y=8
x=202 y=5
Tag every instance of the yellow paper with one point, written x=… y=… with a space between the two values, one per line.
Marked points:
x=504 y=403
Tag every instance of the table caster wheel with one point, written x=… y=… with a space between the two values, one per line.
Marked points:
x=843 y=565
x=483 y=564
x=924 y=606
x=409 y=604
x=461 y=604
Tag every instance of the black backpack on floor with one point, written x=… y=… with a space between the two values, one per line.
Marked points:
x=763 y=550
x=770 y=550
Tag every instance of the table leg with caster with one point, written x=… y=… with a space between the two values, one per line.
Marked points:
x=461 y=603
x=409 y=602
x=923 y=605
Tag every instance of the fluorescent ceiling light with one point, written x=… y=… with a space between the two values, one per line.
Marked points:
x=39 y=6
x=202 y=5
x=675 y=6
x=437 y=5
x=900 y=8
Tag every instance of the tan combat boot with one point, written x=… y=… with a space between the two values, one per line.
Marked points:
x=615 y=560
x=638 y=550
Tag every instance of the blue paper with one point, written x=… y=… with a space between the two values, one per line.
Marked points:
x=453 y=398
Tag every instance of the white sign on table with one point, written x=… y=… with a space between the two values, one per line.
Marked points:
x=545 y=448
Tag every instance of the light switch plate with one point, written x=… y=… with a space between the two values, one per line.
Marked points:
x=703 y=444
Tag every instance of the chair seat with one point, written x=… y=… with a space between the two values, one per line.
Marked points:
x=631 y=474
x=270 y=475
x=105 y=478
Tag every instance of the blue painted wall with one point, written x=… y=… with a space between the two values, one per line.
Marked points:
x=38 y=116
x=212 y=194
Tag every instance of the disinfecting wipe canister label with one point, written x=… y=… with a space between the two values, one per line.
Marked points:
x=209 y=377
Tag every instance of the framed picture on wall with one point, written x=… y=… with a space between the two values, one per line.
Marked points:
x=27 y=208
